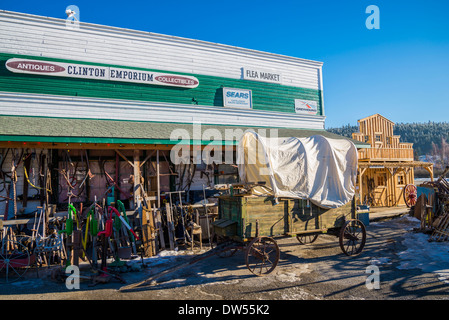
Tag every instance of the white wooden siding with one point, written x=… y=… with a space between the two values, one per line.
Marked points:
x=20 y=104
x=48 y=37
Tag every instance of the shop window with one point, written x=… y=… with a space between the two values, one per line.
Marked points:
x=381 y=180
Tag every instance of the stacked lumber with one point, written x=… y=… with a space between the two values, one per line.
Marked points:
x=441 y=231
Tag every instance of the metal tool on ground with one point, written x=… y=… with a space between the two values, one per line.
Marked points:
x=152 y=280
x=185 y=234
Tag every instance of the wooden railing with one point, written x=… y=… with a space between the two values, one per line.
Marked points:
x=386 y=154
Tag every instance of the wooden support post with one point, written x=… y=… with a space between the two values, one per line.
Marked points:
x=160 y=232
x=361 y=171
x=147 y=233
x=171 y=227
x=395 y=183
x=430 y=170
x=158 y=180
x=137 y=190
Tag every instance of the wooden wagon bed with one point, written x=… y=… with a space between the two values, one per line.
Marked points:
x=238 y=216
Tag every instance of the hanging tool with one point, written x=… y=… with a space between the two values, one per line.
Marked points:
x=69 y=222
x=122 y=210
x=182 y=218
x=68 y=231
x=112 y=210
x=15 y=164
x=91 y=229
x=104 y=235
x=185 y=233
x=107 y=232
x=26 y=166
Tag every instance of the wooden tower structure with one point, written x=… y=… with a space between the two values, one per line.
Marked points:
x=387 y=166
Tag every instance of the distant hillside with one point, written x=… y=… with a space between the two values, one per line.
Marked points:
x=424 y=136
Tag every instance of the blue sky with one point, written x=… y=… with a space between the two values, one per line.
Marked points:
x=400 y=70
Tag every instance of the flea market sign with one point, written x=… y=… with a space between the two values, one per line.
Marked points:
x=73 y=70
x=261 y=75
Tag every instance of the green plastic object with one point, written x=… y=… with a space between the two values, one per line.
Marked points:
x=93 y=223
x=69 y=222
x=122 y=210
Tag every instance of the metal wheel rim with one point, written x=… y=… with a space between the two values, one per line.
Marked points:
x=262 y=256
x=307 y=238
x=352 y=237
x=11 y=267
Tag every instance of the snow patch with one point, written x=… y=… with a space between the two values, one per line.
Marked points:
x=424 y=255
x=380 y=261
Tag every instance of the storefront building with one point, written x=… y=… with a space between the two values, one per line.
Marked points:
x=84 y=108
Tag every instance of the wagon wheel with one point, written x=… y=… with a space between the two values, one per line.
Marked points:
x=410 y=195
x=262 y=255
x=352 y=237
x=15 y=261
x=306 y=238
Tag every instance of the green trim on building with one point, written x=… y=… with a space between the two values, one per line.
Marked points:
x=265 y=96
x=64 y=130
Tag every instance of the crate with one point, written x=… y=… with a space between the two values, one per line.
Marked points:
x=363 y=214
x=225 y=227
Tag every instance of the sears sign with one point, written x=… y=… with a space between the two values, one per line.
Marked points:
x=237 y=98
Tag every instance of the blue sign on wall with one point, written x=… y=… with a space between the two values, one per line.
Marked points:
x=237 y=98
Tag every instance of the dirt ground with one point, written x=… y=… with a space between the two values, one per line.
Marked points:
x=318 y=271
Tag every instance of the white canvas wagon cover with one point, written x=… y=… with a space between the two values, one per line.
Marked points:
x=320 y=169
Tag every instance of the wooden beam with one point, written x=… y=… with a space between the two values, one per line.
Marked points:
x=148 y=157
x=92 y=146
x=124 y=158
x=430 y=170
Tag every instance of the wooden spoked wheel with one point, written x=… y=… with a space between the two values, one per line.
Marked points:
x=15 y=260
x=262 y=255
x=352 y=237
x=306 y=238
x=410 y=195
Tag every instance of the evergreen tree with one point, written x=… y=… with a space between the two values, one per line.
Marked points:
x=424 y=136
